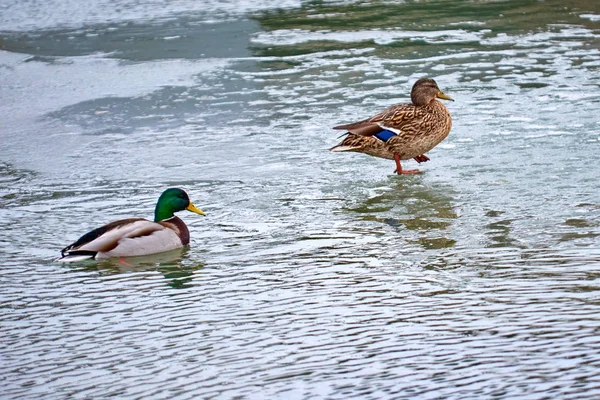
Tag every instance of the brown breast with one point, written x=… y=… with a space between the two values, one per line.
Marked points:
x=179 y=227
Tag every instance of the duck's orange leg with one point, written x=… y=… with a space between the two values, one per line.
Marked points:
x=123 y=262
x=401 y=171
x=421 y=158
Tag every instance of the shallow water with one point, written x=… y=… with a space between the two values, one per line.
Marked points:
x=314 y=275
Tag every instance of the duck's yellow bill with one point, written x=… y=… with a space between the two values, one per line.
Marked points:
x=442 y=95
x=194 y=209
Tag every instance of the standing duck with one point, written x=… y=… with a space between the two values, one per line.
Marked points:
x=137 y=236
x=403 y=131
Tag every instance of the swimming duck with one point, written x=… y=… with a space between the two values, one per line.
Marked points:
x=403 y=131
x=137 y=236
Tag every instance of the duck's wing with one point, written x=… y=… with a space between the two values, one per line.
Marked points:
x=108 y=237
x=402 y=118
x=361 y=128
x=158 y=241
x=395 y=119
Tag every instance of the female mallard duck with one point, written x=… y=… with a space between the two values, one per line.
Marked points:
x=403 y=131
x=137 y=236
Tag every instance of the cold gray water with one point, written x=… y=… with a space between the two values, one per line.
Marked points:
x=315 y=274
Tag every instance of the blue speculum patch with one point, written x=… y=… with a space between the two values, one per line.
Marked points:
x=385 y=135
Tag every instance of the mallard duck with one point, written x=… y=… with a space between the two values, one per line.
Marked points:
x=137 y=236
x=403 y=131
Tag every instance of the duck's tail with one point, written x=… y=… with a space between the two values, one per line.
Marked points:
x=340 y=148
x=350 y=143
x=75 y=256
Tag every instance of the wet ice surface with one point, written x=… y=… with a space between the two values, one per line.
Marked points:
x=314 y=274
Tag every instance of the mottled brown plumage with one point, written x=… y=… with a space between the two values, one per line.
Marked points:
x=418 y=126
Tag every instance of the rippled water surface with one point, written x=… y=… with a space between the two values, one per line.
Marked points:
x=315 y=274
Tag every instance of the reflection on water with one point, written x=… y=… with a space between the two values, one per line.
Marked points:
x=412 y=205
x=171 y=264
x=314 y=275
x=499 y=230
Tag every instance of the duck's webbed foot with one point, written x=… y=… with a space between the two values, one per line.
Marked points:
x=123 y=262
x=407 y=171
x=421 y=158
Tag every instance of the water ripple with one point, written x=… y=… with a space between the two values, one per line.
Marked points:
x=314 y=275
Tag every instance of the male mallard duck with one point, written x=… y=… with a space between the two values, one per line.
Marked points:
x=137 y=236
x=403 y=131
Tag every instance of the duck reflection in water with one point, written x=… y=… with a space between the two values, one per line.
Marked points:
x=415 y=207
x=170 y=264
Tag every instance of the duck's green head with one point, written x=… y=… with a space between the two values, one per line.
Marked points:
x=424 y=90
x=171 y=201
